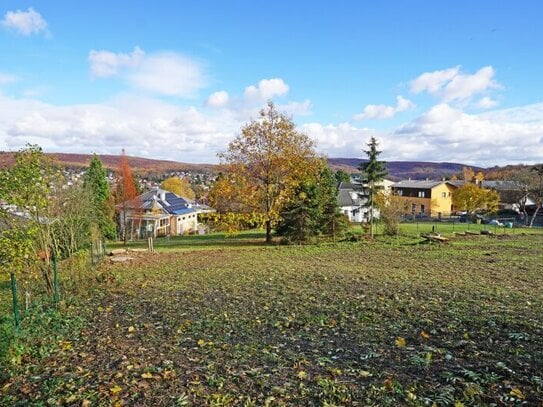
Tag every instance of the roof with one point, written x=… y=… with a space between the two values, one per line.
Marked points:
x=425 y=184
x=163 y=200
x=503 y=185
x=350 y=194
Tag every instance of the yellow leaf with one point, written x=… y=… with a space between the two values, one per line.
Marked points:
x=424 y=335
x=116 y=389
x=458 y=404
x=400 y=342
x=86 y=403
x=516 y=392
x=147 y=375
x=131 y=329
x=66 y=345
x=302 y=375
x=201 y=342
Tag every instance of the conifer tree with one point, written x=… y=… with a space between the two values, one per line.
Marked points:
x=374 y=172
x=95 y=181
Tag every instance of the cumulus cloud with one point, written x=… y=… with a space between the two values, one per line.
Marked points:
x=452 y=84
x=144 y=126
x=218 y=99
x=25 y=23
x=104 y=64
x=486 y=103
x=266 y=89
x=445 y=133
x=384 y=111
x=163 y=73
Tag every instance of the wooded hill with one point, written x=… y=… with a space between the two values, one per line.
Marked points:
x=397 y=169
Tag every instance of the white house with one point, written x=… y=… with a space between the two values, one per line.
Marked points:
x=160 y=213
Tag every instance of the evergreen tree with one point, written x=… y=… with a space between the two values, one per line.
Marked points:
x=374 y=172
x=332 y=221
x=299 y=218
x=313 y=210
x=95 y=181
x=342 y=176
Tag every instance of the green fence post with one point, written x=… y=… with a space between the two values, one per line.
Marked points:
x=55 y=280
x=15 y=302
x=103 y=247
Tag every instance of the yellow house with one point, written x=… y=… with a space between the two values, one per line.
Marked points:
x=427 y=198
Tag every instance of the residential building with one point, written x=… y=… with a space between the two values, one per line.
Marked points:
x=159 y=213
x=427 y=198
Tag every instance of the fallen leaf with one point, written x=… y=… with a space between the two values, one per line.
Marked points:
x=302 y=375
x=400 y=342
x=516 y=392
x=131 y=329
x=116 y=389
x=424 y=335
x=147 y=375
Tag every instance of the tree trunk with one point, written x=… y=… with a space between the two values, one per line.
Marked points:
x=268 y=231
x=535 y=215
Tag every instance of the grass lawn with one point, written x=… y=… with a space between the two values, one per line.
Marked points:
x=391 y=322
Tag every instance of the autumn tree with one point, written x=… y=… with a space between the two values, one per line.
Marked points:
x=374 y=172
x=95 y=181
x=265 y=163
x=125 y=190
x=391 y=210
x=535 y=190
x=179 y=186
x=470 y=197
x=44 y=218
x=28 y=186
x=468 y=174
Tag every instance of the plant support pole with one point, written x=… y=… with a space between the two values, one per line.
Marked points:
x=15 y=303
x=55 y=280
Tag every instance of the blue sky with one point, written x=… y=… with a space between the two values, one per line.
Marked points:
x=434 y=81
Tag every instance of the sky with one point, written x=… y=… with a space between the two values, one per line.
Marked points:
x=443 y=81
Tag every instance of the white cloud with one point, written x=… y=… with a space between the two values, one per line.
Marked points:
x=452 y=85
x=486 y=103
x=265 y=90
x=383 y=111
x=218 y=99
x=25 y=22
x=104 y=64
x=163 y=73
x=445 y=133
x=6 y=78
x=297 y=108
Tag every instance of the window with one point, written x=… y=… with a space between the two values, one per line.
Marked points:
x=422 y=194
x=164 y=222
x=422 y=209
x=413 y=208
x=399 y=192
x=444 y=195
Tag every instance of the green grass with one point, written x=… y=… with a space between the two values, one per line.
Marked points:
x=389 y=322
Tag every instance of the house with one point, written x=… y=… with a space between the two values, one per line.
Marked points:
x=513 y=195
x=352 y=199
x=427 y=198
x=159 y=213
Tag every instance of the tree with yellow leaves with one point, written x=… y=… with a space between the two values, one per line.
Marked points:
x=264 y=164
x=179 y=186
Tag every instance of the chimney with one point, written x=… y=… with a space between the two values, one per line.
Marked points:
x=163 y=196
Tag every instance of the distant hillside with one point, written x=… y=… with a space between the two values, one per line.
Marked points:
x=397 y=169
x=405 y=169
x=138 y=164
